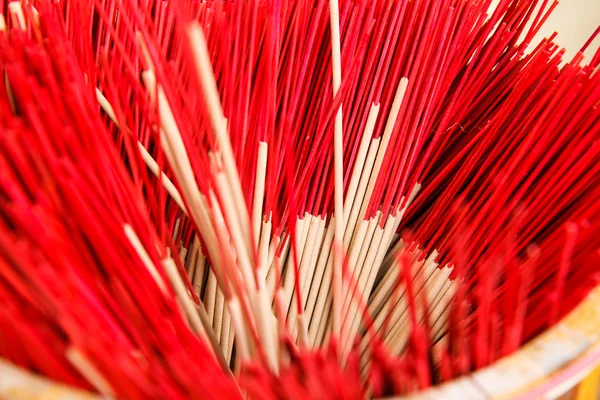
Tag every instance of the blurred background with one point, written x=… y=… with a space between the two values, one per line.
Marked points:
x=575 y=21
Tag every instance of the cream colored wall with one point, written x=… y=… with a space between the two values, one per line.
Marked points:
x=575 y=21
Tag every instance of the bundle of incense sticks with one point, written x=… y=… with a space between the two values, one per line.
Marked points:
x=289 y=199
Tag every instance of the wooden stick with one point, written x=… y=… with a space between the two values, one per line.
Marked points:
x=225 y=328
x=320 y=286
x=146 y=260
x=218 y=316
x=309 y=243
x=288 y=273
x=361 y=192
x=369 y=270
x=150 y=162
x=84 y=366
x=178 y=159
x=16 y=12
x=259 y=189
x=385 y=139
x=243 y=351
x=309 y=263
x=212 y=338
x=263 y=250
x=357 y=171
x=184 y=297
x=235 y=230
x=210 y=296
x=215 y=111
x=338 y=142
x=265 y=327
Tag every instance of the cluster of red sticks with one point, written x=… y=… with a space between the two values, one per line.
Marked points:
x=289 y=199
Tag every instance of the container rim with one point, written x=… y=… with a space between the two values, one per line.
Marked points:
x=546 y=367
